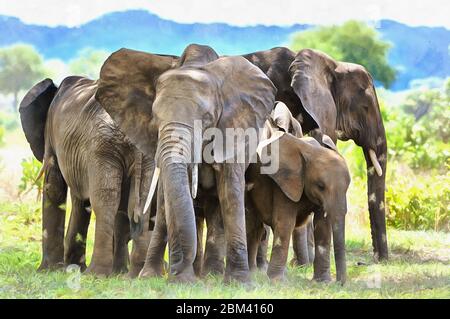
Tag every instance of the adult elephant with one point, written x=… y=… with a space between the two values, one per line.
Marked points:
x=157 y=110
x=337 y=99
x=82 y=148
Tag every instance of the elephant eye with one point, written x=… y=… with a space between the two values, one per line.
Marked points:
x=321 y=186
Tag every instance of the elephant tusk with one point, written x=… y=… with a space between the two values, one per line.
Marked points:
x=152 y=189
x=376 y=164
x=194 y=181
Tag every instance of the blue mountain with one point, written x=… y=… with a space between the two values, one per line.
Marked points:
x=417 y=52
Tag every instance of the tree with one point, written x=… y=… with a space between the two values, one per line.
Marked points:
x=88 y=63
x=353 y=42
x=20 y=67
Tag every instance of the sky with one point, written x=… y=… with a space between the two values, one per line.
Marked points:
x=235 y=12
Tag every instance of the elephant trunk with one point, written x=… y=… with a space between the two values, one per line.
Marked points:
x=338 y=226
x=376 y=158
x=174 y=153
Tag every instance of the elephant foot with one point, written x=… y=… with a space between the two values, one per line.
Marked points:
x=150 y=272
x=50 y=266
x=122 y=269
x=278 y=278
x=242 y=276
x=276 y=274
x=213 y=268
x=99 y=271
x=134 y=271
x=323 y=279
x=298 y=263
x=187 y=276
x=377 y=258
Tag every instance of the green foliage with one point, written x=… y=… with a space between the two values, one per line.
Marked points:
x=354 y=157
x=30 y=173
x=20 y=67
x=418 y=132
x=418 y=181
x=419 y=202
x=88 y=63
x=351 y=42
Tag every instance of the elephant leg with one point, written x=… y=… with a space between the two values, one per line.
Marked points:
x=121 y=239
x=254 y=238
x=303 y=244
x=254 y=229
x=214 y=259
x=300 y=246
x=310 y=239
x=231 y=187
x=105 y=200
x=75 y=242
x=154 y=262
x=322 y=238
x=261 y=257
x=138 y=253
x=199 y=221
x=53 y=216
x=284 y=219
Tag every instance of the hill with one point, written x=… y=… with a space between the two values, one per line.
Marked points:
x=417 y=52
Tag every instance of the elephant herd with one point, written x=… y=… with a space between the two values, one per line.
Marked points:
x=159 y=145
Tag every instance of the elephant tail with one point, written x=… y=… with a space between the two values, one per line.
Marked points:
x=33 y=114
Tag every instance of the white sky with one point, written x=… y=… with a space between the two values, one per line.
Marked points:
x=235 y=12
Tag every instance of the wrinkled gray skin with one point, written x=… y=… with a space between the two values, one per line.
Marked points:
x=337 y=99
x=152 y=99
x=83 y=149
x=310 y=176
x=210 y=257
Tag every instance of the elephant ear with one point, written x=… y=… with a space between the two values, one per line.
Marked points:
x=312 y=75
x=289 y=176
x=33 y=114
x=246 y=95
x=126 y=90
x=283 y=118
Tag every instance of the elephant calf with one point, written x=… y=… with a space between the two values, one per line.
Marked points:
x=83 y=149
x=309 y=176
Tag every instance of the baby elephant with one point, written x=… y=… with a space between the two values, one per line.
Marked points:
x=309 y=176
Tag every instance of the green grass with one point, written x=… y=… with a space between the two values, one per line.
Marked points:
x=418 y=268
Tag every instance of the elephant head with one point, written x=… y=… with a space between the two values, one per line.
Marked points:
x=157 y=100
x=340 y=97
x=306 y=168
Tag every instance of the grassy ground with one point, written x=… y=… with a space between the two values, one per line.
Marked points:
x=419 y=268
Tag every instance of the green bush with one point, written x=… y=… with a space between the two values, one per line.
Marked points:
x=418 y=131
x=418 y=201
x=30 y=173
